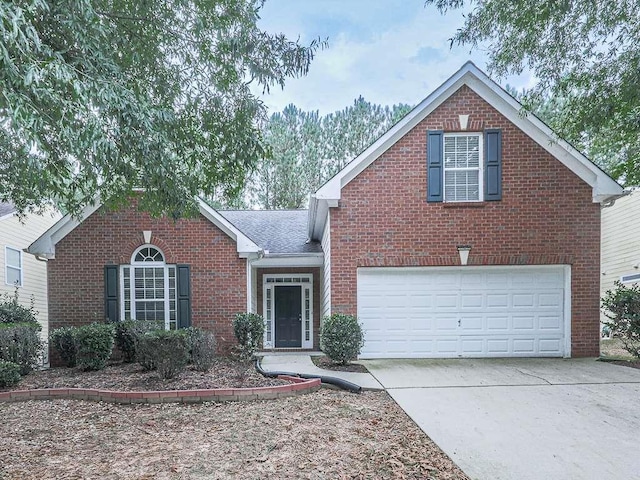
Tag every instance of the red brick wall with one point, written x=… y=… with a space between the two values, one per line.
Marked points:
x=218 y=276
x=546 y=216
x=316 y=294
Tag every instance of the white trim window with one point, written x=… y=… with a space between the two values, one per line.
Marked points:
x=463 y=167
x=305 y=282
x=148 y=288
x=13 y=266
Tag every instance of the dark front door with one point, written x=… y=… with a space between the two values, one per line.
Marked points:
x=288 y=303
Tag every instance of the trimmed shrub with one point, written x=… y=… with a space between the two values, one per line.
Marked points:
x=63 y=341
x=341 y=338
x=622 y=308
x=202 y=348
x=167 y=351
x=128 y=335
x=9 y=374
x=94 y=344
x=248 y=329
x=12 y=312
x=20 y=343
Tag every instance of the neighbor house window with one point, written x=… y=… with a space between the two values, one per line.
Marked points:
x=630 y=278
x=13 y=266
x=462 y=167
x=148 y=288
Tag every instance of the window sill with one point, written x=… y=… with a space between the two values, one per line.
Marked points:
x=464 y=204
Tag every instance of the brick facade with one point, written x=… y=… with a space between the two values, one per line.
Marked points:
x=546 y=216
x=218 y=275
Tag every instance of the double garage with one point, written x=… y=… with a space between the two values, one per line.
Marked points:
x=452 y=312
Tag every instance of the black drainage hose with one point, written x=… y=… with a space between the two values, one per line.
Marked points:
x=338 y=382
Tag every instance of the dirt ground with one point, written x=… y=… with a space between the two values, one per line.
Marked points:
x=326 y=363
x=328 y=434
x=612 y=351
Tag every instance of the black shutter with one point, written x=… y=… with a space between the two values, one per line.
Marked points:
x=493 y=164
x=183 y=276
x=111 y=302
x=434 y=165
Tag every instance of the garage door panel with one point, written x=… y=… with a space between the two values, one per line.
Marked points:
x=550 y=322
x=471 y=300
x=446 y=300
x=469 y=323
x=497 y=300
x=524 y=322
x=497 y=346
x=497 y=323
x=425 y=312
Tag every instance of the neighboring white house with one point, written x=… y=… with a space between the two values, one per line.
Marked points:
x=620 y=247
x=21 y=269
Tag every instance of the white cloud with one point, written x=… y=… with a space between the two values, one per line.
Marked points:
x=400 y=61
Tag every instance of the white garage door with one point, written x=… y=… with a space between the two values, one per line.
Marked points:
x=463 y=312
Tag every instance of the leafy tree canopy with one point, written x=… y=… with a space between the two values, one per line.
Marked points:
x=306 y=149
x=585 y=56
x=103 y=96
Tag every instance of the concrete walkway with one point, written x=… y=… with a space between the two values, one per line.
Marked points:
x=301 y=363
x=523 y=419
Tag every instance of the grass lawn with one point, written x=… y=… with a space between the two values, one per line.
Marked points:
x=327 y=434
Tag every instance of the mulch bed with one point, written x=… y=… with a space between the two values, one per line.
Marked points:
x=225 y=373
x=322 y=361
x=323 y=435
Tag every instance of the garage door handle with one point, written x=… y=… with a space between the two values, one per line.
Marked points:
x=459 y=322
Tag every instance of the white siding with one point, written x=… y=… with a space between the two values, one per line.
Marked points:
x=620 y=249
x=325 y=299
x=19 y=235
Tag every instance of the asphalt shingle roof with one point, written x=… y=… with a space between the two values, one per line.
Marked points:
x=278 y=231
x=6 y=208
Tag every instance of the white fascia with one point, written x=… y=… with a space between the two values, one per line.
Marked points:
x=290 y=260
x=604 y=187
x=318 y=210
x=45 y=245
x=244 y=245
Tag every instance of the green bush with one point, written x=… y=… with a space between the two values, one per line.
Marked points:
x=20 y=343
x=128 y=335
x=12 y=312
x=167 y=351
x=341 y=338
x=63 y=341
x=622 y=308
x=9 y=374
x=94 y=344
x=202 y=348
x=248 y=329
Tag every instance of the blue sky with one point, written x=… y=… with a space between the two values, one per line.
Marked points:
x=388 y=51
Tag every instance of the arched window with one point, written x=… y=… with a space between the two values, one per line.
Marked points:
x=149 y=288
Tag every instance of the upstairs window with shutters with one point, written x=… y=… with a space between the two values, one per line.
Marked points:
x=462 y=165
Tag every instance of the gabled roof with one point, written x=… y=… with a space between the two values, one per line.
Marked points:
x=7 y=209
x=604 y=187
x=275 y=231
x=45 y=245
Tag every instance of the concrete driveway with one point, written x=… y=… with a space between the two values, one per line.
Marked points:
x=523 y=418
